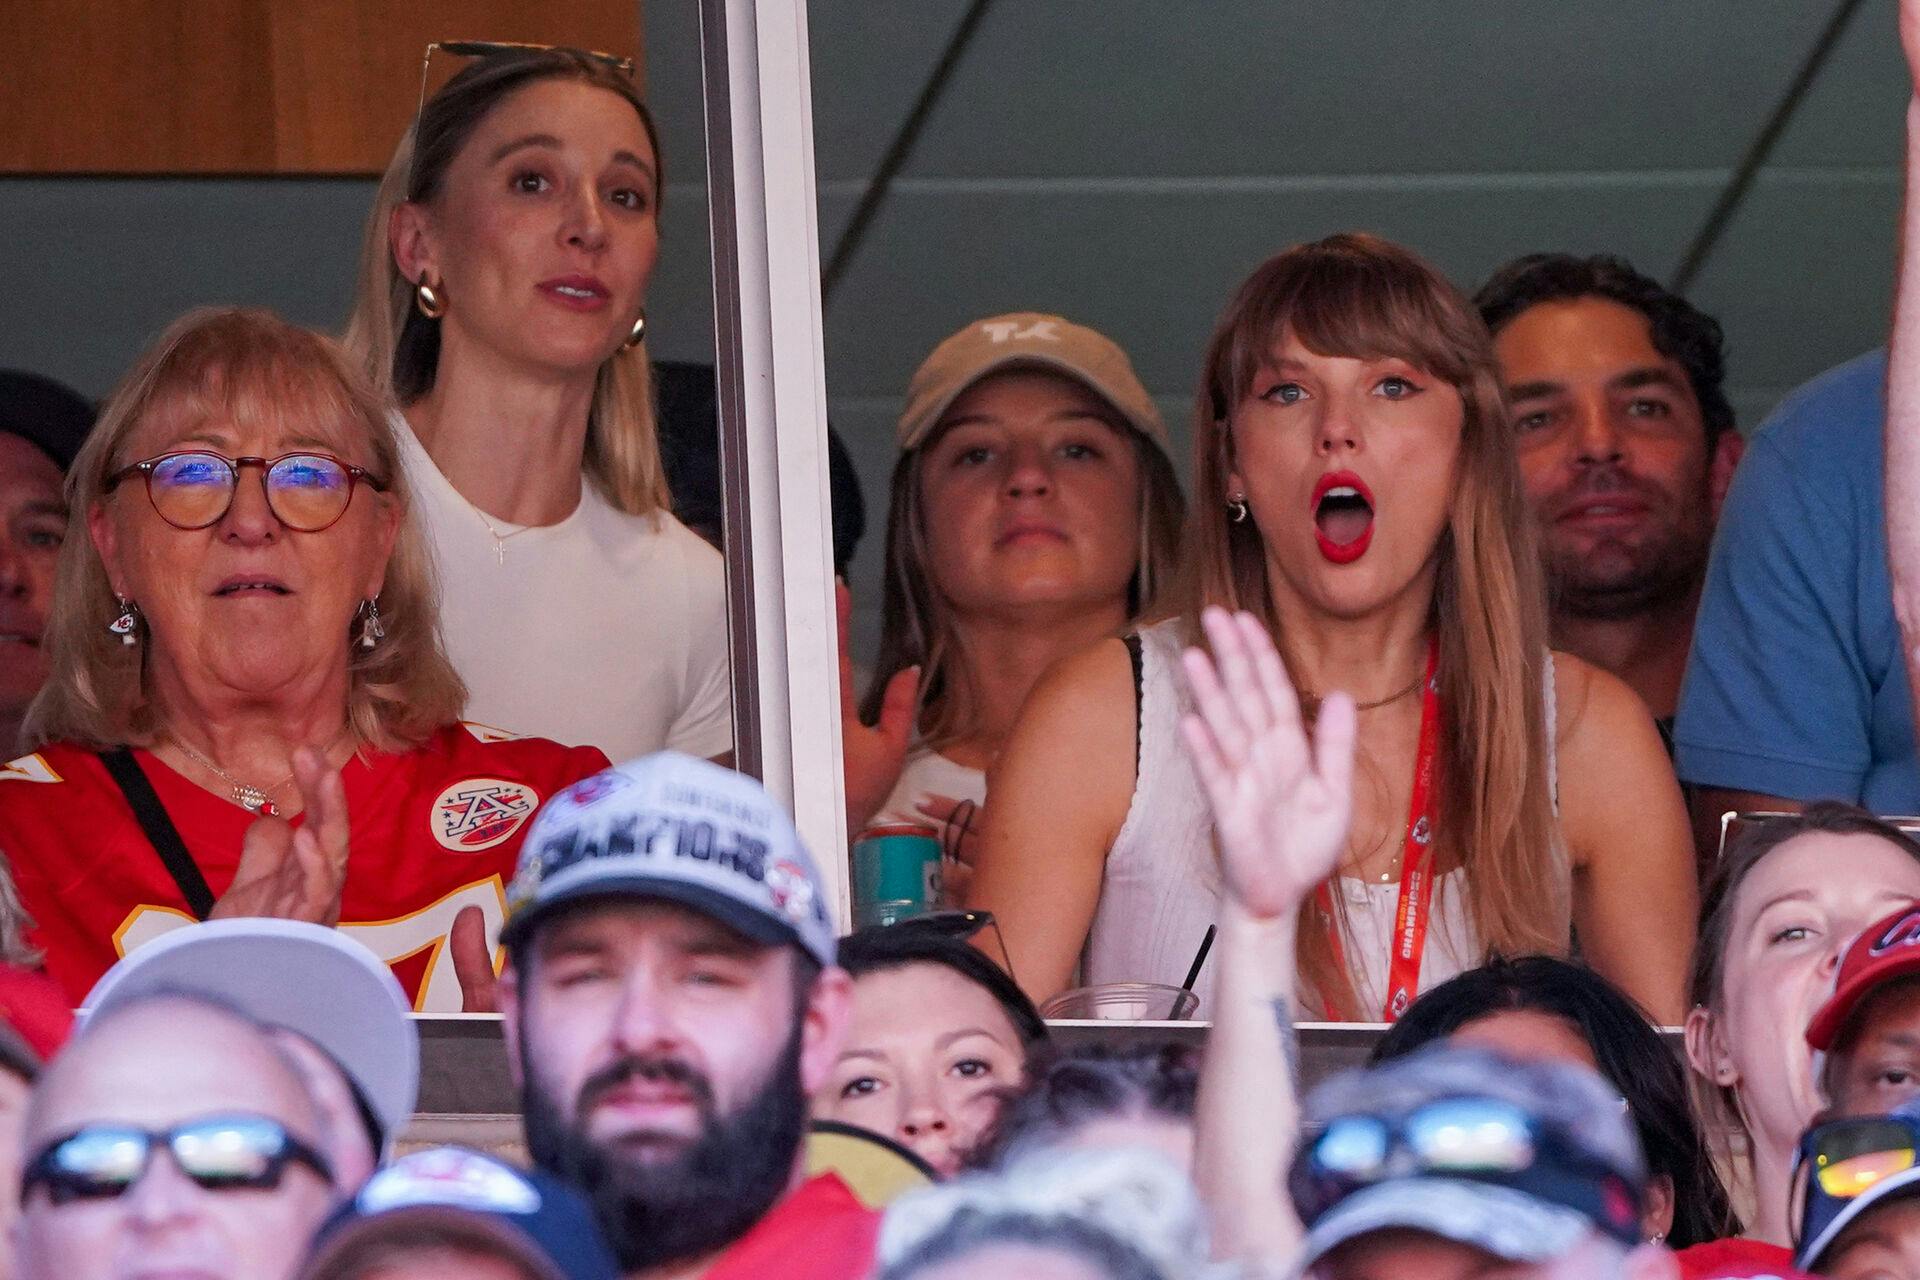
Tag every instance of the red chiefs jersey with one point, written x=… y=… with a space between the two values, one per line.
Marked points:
x=432 y=831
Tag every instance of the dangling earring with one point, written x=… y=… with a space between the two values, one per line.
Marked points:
x=428 y=299
x=639 y=334
x=371 y=631
x=1238 y=509
x=129 y=619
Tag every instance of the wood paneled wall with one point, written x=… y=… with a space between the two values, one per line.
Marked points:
x=248 y=86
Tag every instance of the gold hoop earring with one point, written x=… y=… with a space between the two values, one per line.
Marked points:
x=428 y=299
x=639 y=334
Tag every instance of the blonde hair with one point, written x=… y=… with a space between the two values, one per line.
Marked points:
x=239 y=365
x=1358 y=295
x=400 y=348
x=918 y=626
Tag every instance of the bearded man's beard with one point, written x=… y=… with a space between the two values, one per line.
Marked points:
x=657 y=1209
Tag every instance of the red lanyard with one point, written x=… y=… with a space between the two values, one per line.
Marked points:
x=1408 y=942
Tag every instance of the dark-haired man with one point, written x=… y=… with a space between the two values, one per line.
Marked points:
x=42 y=424
x=671 y=1002
x=1626 y=446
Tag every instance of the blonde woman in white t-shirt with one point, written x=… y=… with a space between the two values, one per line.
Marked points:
x=502 y=305
x=1034 y=512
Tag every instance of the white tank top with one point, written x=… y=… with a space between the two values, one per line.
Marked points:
x=1162 y=884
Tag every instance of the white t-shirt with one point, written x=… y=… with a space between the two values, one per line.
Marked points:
x=605 y=630
x=930 y=773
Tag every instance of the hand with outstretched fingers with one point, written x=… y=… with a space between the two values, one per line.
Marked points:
x=295 y=873
x=1282 y=797
x=873 y=754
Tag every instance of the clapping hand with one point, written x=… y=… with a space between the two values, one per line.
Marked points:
x=295 y=873
x=1282 y=799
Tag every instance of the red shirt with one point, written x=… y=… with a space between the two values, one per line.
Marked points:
x=1721 y=1259
x=820 y=1232
x=432 y=830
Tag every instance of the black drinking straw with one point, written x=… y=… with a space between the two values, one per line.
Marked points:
x=1193 y=974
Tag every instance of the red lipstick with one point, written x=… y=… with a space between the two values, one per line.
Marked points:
x=1342 y=516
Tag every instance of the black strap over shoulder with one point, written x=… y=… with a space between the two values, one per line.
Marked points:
x=153 y=819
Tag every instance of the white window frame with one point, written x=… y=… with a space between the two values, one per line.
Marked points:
x=773 y=417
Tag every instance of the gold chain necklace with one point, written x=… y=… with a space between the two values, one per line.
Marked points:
x=248 y=796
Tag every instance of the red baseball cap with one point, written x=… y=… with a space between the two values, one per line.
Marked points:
x=35 y=1020
x=1888 y=948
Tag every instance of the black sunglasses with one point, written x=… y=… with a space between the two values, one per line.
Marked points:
x=961 y=926
x=220 y=1153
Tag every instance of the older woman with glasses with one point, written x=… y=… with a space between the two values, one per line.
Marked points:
x=248 y=711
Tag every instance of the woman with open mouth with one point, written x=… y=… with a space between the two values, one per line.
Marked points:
x=1354 y=489
x=247 y=710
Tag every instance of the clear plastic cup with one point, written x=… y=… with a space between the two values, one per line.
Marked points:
x=1124 y=1001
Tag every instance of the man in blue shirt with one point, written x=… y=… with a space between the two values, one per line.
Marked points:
x=1795 y=689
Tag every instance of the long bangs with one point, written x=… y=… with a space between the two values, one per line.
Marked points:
x=1354 y=296
x=244 y=368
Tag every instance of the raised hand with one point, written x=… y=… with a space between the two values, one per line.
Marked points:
x=1281 y=800
x=295 y=873
x=873 y=755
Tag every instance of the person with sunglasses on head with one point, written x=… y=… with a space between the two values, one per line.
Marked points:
x=249 y=713
x=1545 y=1008
x=502 y=308
x=1453 y=1161
x=1035 y=511
x=1857 y=1215
x=1355 y=494
x=1789 y=895
x=940 y=1037
x=170 y=1137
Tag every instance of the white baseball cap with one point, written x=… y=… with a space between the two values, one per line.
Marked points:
x=673 y=827
x=309 y=979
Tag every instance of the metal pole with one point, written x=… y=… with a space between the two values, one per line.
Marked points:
x=773 y=415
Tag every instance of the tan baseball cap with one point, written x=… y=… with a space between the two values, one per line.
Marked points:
x=1029 y=339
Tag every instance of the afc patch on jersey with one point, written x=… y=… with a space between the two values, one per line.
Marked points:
x=480 y=813
x=33 y=768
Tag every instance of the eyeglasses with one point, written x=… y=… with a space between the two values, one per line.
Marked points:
x=486 y=48
x=1481 y=1138
x=1845 y=1158
x=220 y=1153
x=306 y=492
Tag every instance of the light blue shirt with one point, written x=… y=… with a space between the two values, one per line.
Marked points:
x=1795 y=686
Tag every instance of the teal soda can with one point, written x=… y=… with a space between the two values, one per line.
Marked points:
x=896 y=873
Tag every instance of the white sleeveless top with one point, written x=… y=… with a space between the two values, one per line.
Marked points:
x=1162 y=884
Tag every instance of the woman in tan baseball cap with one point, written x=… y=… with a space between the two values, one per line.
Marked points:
x=1035 y=511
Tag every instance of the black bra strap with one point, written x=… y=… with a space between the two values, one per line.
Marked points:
x=153 y=819
x=1137 y=660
